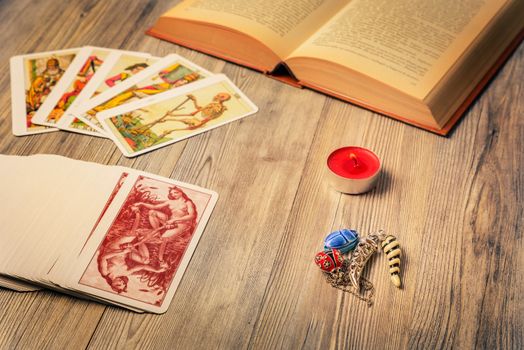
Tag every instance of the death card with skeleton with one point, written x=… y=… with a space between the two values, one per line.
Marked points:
x=169 y=117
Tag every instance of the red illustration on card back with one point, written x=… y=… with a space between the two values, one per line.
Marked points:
x=142 y=249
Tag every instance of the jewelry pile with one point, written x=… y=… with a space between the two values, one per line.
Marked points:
x=346 y=273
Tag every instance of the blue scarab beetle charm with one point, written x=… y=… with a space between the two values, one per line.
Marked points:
x=343 y=240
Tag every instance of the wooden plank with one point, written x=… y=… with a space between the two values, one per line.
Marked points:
x=14 y=306
x=46 y=320
x=455 y=204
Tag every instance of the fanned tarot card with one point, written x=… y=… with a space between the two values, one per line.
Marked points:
x=167 y=73
x=82 y=69
x=117 y=67
x=33 y=77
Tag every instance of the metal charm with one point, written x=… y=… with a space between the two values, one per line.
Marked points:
x=365 y=248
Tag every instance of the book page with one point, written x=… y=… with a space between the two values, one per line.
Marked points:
x=406 y=44
x=281 y=25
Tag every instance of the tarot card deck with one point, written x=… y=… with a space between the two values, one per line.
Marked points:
x=126 y=243
x=138 y=101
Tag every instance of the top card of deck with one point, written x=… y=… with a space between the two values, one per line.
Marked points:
x=33 y=77
x=139 y=252
x=161 y=120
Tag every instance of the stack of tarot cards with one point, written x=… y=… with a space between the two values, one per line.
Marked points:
x=107 y=233
x=139 y=101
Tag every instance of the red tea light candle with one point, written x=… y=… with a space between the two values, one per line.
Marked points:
x=353 y=170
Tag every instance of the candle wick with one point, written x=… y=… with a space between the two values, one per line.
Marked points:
x=353 y=157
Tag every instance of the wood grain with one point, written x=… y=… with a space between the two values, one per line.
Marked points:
x=454 y=203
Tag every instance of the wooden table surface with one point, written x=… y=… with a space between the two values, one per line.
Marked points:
x=455 y=204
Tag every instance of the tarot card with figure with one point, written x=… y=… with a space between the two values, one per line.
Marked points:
x=175 y=115
x=116 y=67
x=82 y=69
x=138 y=258
x=33 y=77
x=168 y=73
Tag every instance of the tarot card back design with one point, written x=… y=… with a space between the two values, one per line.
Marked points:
x=142 y=250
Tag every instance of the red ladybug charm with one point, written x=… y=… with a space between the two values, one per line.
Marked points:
x=329 y=260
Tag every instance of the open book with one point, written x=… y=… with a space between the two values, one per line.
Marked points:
x=420 y=62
